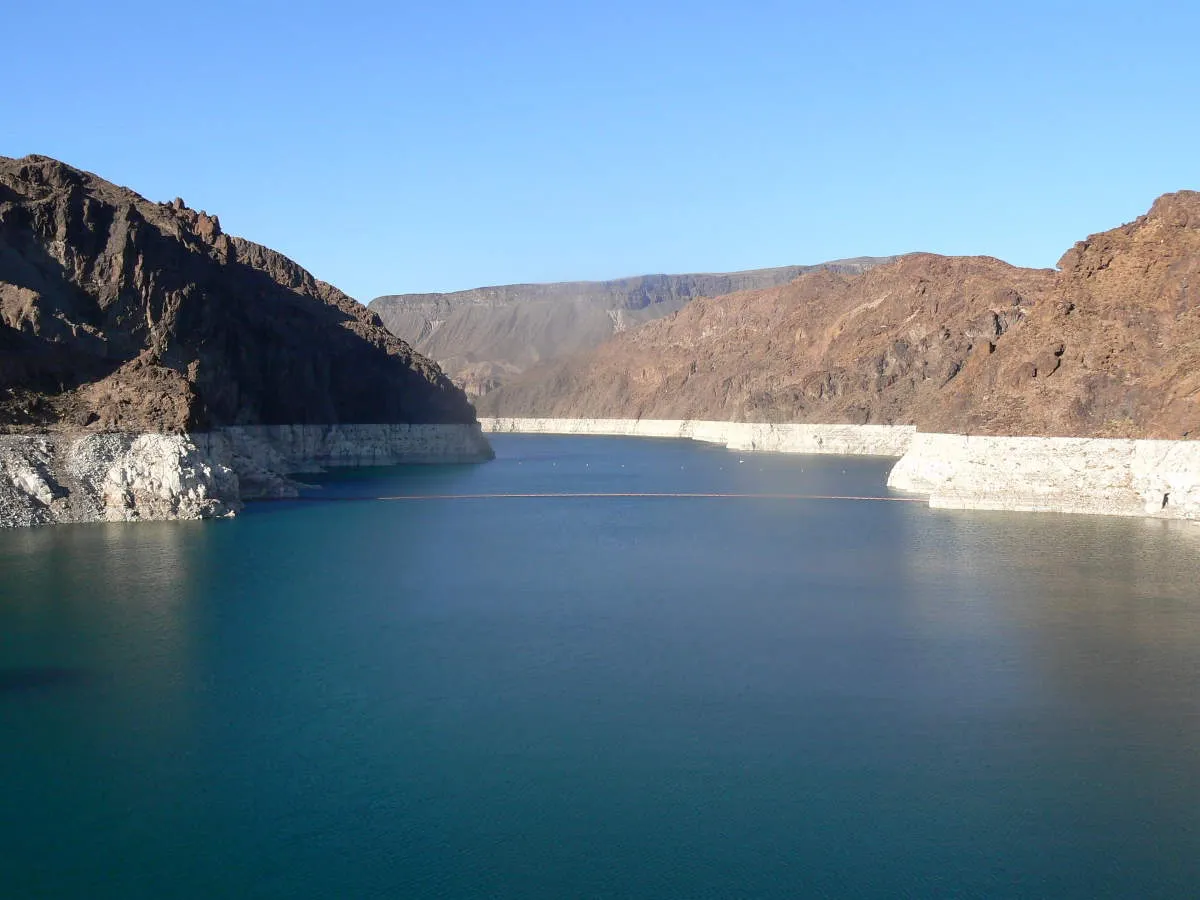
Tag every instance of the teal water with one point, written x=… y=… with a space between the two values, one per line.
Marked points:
x=602 y=697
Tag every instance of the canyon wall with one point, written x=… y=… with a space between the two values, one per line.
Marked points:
x=154 y=367
x=1107 y=345
x=485 y=336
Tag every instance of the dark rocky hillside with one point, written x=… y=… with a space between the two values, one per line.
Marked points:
x=117 y=313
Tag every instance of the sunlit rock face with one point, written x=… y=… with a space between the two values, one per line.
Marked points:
x=112 y=478
x=1101 y=476
x=486 y=336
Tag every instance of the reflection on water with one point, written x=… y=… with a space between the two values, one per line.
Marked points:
x=1080 y=588
x=1093 y=626
x=602 y=697
x=130 y=585
x=99 y=619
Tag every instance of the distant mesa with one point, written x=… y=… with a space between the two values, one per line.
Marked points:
x=483 y=337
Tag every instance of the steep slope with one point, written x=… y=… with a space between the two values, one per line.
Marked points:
x=117 y=313
x=1107 y=346
x=483 y=336
x=826 y=348
x=1116 y=350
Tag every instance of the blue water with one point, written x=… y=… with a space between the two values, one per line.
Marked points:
x=602 y=697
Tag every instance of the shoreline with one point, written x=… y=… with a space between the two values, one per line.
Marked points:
x=1086 y=476
x=59 y=477
x=53 y=477
x=843 y=440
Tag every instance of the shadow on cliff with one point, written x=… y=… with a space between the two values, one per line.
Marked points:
x=45 y=355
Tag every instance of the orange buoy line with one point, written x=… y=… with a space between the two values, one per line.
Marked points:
x=583 y=495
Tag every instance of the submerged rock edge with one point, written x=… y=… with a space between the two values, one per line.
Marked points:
x=56 y=478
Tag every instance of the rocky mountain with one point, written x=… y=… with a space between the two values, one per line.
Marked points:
x=121 y=314
x=483 y=336
x=1106 y=345
x=1116 y=349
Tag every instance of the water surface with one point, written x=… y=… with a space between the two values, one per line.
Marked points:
x=602 y=697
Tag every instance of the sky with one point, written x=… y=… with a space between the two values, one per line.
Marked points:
x=408 y=147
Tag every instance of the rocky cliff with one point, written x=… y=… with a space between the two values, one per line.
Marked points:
x=117 y=313
x=1107 y=345
x=139 y=342
x=484 y=336
x=1113 y=351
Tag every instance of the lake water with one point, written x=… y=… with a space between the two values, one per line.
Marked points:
x=635 y=697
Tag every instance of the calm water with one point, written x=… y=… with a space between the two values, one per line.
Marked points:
x=636 y=698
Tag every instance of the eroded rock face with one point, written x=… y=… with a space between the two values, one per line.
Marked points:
x=486 y=336
x=1115 y=349
x=829 y=347
x=110 y=477
x=1108 y=346
x=119 y=314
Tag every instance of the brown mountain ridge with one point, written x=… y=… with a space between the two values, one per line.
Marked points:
x=1107 y=345
x=484 y=336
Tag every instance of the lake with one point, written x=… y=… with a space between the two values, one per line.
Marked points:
x=466 y=695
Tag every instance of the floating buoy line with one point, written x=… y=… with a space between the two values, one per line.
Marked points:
x=598 y=495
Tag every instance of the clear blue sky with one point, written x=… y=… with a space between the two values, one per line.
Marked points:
x=396 y=147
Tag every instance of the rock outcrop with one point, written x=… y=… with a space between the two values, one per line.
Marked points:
x=58 y=477
x=483 y=337
x=136 y=338
x=1106 y=346
x=1114 y=351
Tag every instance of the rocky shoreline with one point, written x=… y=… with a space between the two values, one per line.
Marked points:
x=54 y=478
x=1093 y=476
x=845 y=440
